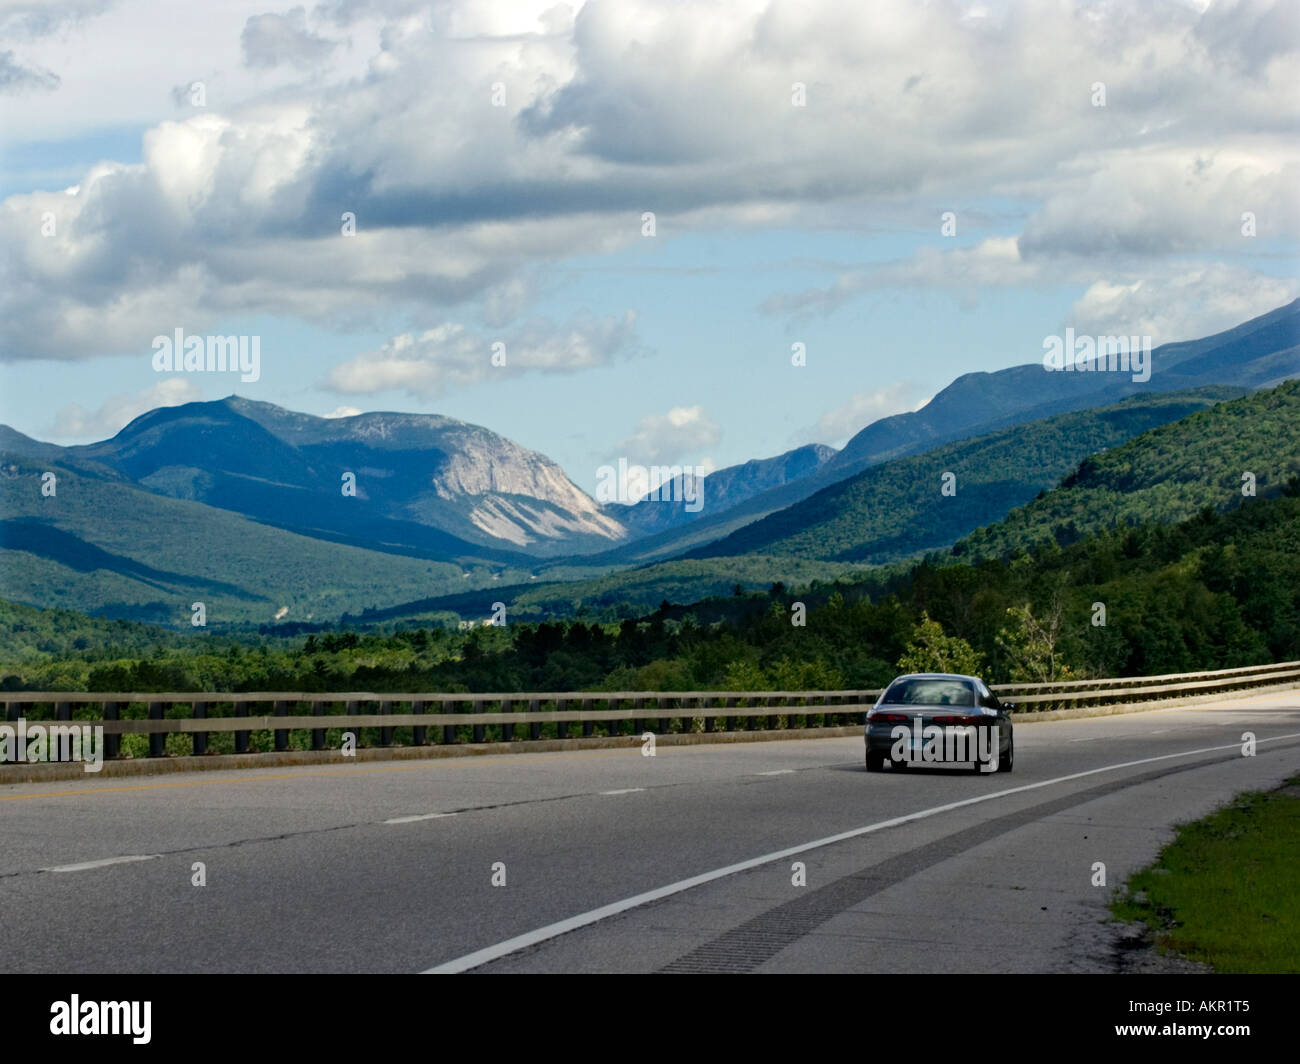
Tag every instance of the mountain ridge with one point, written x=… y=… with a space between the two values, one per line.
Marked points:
x=1258 y=353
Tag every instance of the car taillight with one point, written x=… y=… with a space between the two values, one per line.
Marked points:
x=887 y=718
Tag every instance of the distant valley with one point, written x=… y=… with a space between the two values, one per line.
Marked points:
x=275 y=516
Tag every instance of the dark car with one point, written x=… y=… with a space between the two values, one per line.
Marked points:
x=940 y=718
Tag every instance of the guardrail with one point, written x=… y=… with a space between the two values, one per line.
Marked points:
x=462 y=717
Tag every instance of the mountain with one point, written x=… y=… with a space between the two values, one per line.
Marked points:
x=422 y=481
x=431 y=489
x=887 y=513
x=1167 y=474
x=15 y=442
x=103 y=545
x=900 y=508
x=1259 y=353
x=722 y=489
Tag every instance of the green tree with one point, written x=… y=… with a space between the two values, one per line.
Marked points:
x=744 y=674
x=931 y=650
x=1032 y=644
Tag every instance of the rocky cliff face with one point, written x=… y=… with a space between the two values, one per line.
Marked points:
x=426 y=470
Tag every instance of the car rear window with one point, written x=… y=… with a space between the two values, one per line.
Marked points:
x=921 y=692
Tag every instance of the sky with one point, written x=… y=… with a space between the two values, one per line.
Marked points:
x=393 y=195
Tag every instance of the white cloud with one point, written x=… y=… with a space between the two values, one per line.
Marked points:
x=75 y=422
x=15 y=78
x=677 y=437
x=995 y=262
x=1187 y=306
x=451 y=356
x=837 y=426
x=34 y=19
x=271 y=40
x=684 y=109
x=1171 y=200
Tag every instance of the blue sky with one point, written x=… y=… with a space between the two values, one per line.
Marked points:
x=775 y=224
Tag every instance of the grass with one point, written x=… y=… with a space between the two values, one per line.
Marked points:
x=1224 y=892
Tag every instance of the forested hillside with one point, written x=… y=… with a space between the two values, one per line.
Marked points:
x=900 y=508
x=1218 y=458
x=1219 y=590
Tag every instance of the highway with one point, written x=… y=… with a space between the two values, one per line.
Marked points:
x=616 y=862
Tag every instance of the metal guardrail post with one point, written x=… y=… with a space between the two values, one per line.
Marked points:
x=157 y=740
x=534 y=726
x=318 y=734
x=448 y=730
x=241 y=737
x=281 y=735
x=200 y=738
x=351 y=709
x=507 y=730
x=386 y=734
x=112 y=742
x=561 y=726
x=418 y=732
x=478 y=728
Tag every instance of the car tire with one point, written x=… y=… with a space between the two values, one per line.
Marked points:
x=875 y=761
x=897 y=766
x=1006 y=763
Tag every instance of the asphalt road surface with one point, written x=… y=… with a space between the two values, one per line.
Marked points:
x=616 y=862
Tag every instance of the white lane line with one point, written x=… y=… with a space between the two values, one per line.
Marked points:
x=1162 y=731
x=630 y=790
x=87 y=865
x=1090 y=739
x=561 y=927
x=779 y=772
x=413 y=819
